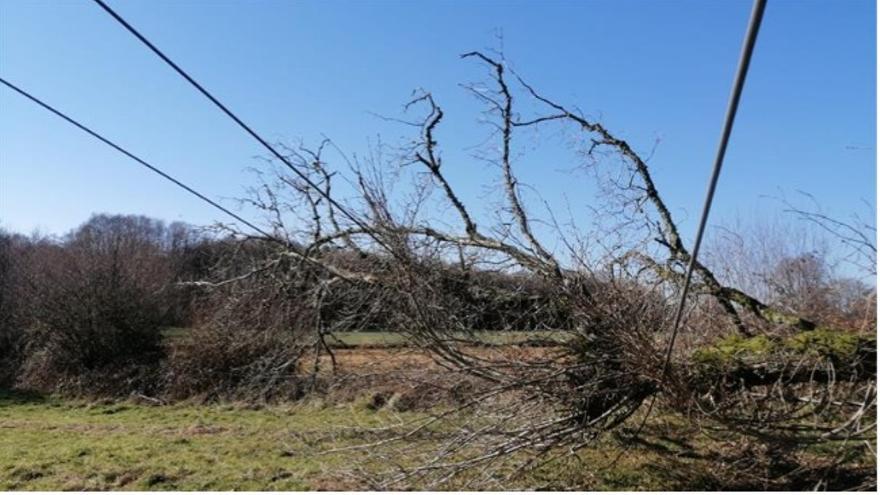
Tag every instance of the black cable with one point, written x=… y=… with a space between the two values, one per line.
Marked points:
x=732 y=106
x=745 y=58
x=135 y=158
x=238 y=121
x=735 y=94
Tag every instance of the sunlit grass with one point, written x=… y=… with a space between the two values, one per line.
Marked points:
x=48 y=443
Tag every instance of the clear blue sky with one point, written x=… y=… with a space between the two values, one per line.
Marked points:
x=650 y=69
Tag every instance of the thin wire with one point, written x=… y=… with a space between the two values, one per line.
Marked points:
x=135 y=158
x=732 y=106
x=238 y=121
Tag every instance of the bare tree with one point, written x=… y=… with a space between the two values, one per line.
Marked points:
x=857 y=234
x=611 y=360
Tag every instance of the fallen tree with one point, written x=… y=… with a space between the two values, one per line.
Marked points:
x=619 y=293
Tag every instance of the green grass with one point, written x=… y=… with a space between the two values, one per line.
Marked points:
x=175 y=332
x=49 y=443
x=53 y=444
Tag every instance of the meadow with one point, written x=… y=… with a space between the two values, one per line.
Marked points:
x=53 y=443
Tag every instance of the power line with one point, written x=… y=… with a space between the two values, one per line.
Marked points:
x=745 y=59
x=127 y=153
x=732 y=106
x=238 y=121
x=739 y=81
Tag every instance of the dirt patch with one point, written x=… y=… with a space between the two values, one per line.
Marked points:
x=203 y=430
x=407 y=379
x=376 y=360
x=336 y=484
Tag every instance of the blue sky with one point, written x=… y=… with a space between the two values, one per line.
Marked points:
x=648 y=69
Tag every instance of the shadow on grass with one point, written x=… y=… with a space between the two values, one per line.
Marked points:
x=678 y=471
x=17 y=397
x=680 y=461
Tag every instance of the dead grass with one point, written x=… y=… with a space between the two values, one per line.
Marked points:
x=371 y=360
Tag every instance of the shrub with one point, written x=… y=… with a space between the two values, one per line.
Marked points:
x=11 y=329
x=219 y=363
x=259 y=319
x=93 y=322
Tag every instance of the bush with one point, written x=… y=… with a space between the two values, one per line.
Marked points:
x=11 y=329
x=218 y=363
x=259 y=319
x=93 y=322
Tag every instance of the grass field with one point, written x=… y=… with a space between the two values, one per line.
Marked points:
x=49 y=443
x=52 y=444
